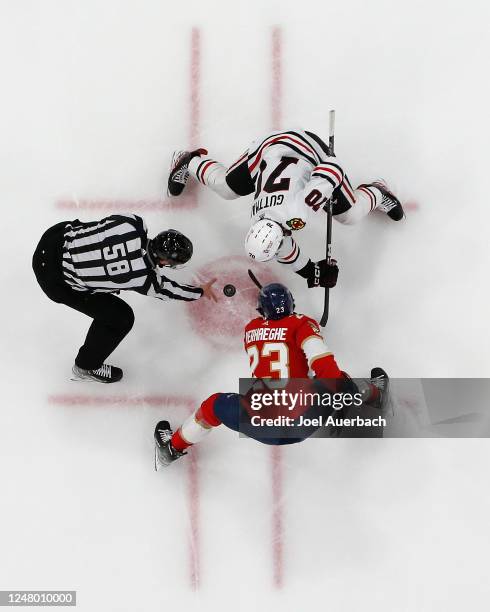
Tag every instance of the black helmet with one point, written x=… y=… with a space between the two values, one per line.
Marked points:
x=275 y=301
x=171 y=245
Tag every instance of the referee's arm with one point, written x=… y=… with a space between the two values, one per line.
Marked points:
x=166 y=289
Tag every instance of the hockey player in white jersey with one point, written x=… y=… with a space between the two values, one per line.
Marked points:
x=292 y=177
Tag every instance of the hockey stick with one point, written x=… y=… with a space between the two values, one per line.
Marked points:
x=254 y=279
x=328 y=246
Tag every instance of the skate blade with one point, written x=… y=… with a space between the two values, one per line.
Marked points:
x=171 y=167
x=387 y=407
x=88 y=379
x=158 y=464
x=390 y=406
x=75 y=378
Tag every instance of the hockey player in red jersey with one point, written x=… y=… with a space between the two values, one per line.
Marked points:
x=281 y=344
x=287 y=347
x=292 y=176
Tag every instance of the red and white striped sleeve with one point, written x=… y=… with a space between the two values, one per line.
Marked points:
x=320 y=358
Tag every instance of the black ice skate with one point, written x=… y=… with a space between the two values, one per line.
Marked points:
x=179 y=174
x=165 y=453
x=390 y=204
x=105 y=374
x=380 y=379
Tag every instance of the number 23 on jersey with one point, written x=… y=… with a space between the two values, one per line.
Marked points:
x=271 y=360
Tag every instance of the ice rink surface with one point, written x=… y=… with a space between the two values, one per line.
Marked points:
x=95 y=97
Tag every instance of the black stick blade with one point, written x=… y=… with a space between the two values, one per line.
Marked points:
x=324 y=319
x=254 y=279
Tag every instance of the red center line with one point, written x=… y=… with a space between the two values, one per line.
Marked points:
x=73 y=399
x=194 y=532
x=276 y=88
x=192 y=465
x=277 y=535
x=195 y=85
x=277 y=517
x=126 y=205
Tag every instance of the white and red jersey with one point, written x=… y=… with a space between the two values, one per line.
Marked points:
x=290 y=347
x=294 y=177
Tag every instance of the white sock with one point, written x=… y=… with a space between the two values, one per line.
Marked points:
x=367 y=199
x=211 y=173
x=194 y=431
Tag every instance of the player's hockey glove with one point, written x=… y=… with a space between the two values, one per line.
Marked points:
x=341 y=384
x=320 y=273
x=346 y=384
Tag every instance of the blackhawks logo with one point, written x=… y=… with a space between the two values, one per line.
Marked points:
x=296 y=223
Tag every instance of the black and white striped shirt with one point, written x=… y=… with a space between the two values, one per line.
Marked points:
x=110 y=255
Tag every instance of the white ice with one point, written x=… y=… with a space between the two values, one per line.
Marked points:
x=95 y=96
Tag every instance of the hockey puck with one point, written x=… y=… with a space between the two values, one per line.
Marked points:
x=229 y=290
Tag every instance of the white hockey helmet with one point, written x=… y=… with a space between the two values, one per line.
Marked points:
x=263 y=240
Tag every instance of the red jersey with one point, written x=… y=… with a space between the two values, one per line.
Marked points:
x=288 y=348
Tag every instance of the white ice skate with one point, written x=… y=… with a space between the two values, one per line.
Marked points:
x=165 y=453
x=390 y=204
x=179 y=173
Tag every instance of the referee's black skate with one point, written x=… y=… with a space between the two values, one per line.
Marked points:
x=390 y=204
x=165 y=453
x=179 y=173
x=105 y=374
